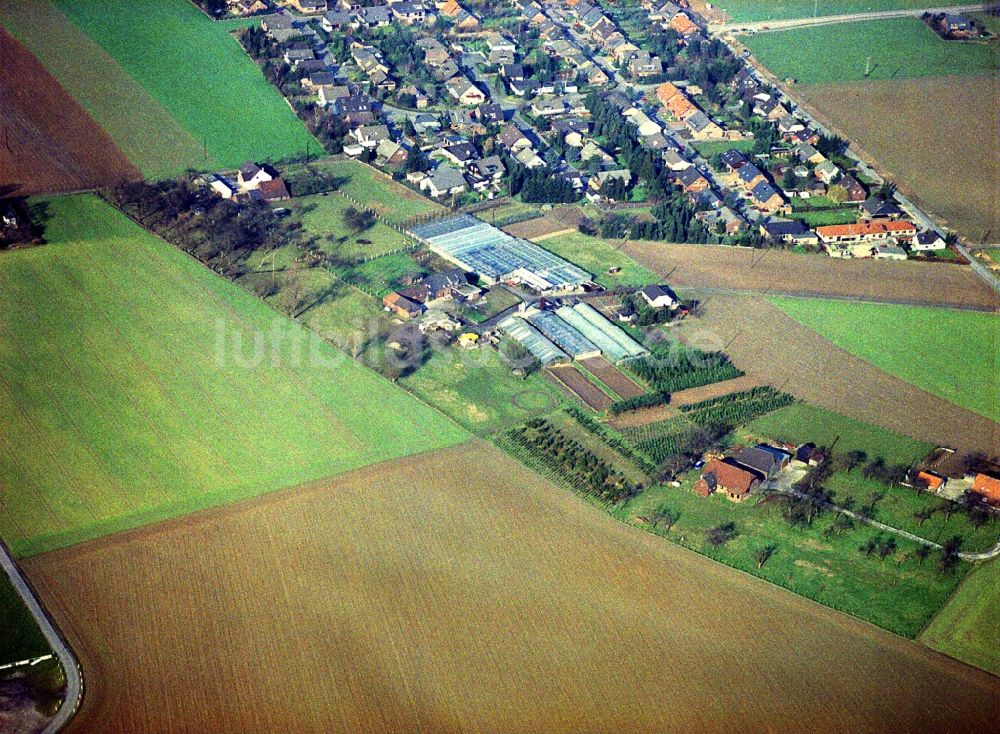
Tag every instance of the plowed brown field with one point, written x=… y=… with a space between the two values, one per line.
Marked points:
x=48 y=142
x=776 y=271
x=578 y=384
x=457 y=591
x=769 y=345
x=623 y=386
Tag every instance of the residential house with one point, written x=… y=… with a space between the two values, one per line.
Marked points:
x=659 y=296
x=646 y=126
x=856 y=192
x=681 y=107
x=336 y=20
x=571 y=130
x=297 y=53
x=369 y=136
x=461 y=154
x=733 y=160
x=330 y=93
x=435 y=53
x=390 y=153
x=666 y=91
x=726 y=476
x=599 y=179
x=247 y=7
x=808 y=154
x=409 y=13
x=702 y=128
x=931 y=481
x=683 y=25
x=674 y=161
x=750 y=175
x=788 y=232
x=464 y=91
x=875 y=207
x=444 y=181
x=374 y=16
x=987 y=486
x=512 y=139
x=485 y=172
x=691 y=180
x=548 y=107
x=766 y=197
x=222 y=186
x=857 y=240
x=273 y=190
x=250 y=175
x=529 y=159
x=888 y=252
x=512 y=72
x=827 y=172
x=643 y=65
x=309 y=7
x=929 y=239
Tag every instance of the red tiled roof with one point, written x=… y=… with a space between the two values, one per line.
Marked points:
x=860 y=229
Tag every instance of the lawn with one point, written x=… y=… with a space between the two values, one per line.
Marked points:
x=709 y=148
x=764 y=10
x=156 y=142
x=898 y=48
x=322 y=216
x=823 y=217
x=376 y=190
x=801 y=423
x=898 y=505
x=949 y=353
x=20 y=638
x=382 y=275
x=899 y=593
x=479 y=391
x=145 y=387
x=199 y=73
x=968 y=626
x=994 y=253
x=598 y=256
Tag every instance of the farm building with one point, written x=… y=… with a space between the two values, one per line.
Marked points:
x=726 y=476
x=988 y=486
x=495 y=256
x=563 y=335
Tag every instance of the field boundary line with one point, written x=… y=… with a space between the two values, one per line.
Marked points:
x=60 y=647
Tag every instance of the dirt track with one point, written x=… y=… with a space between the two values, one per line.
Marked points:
x=766 y=343
x=49 y=143
x=778 y=271
x=423 y=595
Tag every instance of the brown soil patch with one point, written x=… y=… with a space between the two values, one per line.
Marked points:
x=50 y=143
x=414 y=596
x=579 y=386
x=642 y=417
x=622 y=385
x=773 y=272
x=937 y=137
x=715 y=390
x=558 y=221
x=764 y=342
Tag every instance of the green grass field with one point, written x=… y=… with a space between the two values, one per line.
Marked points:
x=763 y=10
x=801 y=422
x=323 y=217
x=597 y=256
x=968 y=626
x=952 y=354
x=899 y=593
x=994 y=253
x=708 y=148
x=823 y=217
x=193 y=68
x=898 y=47
x=144 y=387
x=376 y=190
x=20 y=637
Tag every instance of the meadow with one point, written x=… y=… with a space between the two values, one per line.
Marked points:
x=391 y=200
x=457 y=591
x=898 y=48
x=950 y=353
x=803 y=422
x=968 y=627
x=597 y=256
x=194 y=70
x=322 y=216
x=764 y=10
x=144 y=386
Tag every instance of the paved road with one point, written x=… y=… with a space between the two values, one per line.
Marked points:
x=765 y=26
x=74 y=678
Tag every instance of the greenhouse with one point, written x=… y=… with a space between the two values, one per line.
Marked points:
x=531 y=339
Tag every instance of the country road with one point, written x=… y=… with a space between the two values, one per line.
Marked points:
x=766 y=26
x=70 y=666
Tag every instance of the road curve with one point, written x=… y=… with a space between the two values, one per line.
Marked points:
x=71 y=668
x=766 y=26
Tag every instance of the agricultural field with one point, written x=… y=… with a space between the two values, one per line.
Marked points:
x=322 y=217
x=39 y=154
x=597 y=256
x=764 y=10
x=953 y=117
x=898 y=593
x=465 y=602
x=579 y=386
x=21 y=638
x=173 y=399
x=959 y=351
x=967 y=627
x=196 y=71
x=765 y=342
x=898 y=48
x=801 y=423
x=391 y=200
x=780 y=272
